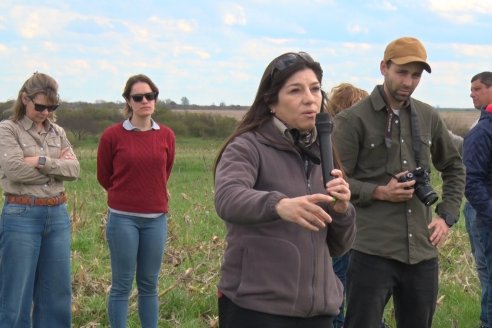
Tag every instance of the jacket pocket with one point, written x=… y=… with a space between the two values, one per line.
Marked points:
x=270 y=269
x=425 y=154
x=54 y=146
x=374 y=152
x=28 y=145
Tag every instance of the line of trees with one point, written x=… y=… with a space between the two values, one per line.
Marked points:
x=83 y=121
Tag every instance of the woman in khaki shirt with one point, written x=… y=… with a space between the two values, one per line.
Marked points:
x=35 y=160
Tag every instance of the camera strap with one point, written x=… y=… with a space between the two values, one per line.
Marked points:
x=415 y=132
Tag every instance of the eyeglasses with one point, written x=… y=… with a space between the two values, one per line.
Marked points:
x=289 y=59
x=149 y=96
x=40 y=107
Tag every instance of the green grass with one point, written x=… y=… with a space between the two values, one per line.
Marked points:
x=193 y=252
x=195 y=246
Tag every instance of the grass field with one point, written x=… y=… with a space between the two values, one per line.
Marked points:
x=195 y=246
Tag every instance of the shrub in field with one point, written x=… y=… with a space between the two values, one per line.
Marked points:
x=90 y=122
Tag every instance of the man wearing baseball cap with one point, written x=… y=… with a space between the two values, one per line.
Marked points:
x=388 y=143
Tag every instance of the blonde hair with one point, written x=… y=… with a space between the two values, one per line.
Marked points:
x=344 y=96
x=37 y=83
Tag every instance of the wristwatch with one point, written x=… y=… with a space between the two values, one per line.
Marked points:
x=449 y=219
x=41 y=160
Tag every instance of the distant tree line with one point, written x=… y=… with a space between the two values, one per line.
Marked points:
x=83 y=120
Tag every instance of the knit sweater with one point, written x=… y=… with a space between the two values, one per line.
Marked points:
x=134 y=167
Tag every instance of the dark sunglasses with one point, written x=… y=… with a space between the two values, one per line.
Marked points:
x=289 y=59
x=149 y=96
x=40 y=108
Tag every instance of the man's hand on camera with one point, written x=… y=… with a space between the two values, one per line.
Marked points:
x=395 y=191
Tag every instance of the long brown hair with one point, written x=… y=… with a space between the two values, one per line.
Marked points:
x=37 y=83
x=272 y=81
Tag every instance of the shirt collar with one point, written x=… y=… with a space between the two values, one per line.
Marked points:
x=381 y=101
x=127 y=125
x=27 y=123
x=286 y=132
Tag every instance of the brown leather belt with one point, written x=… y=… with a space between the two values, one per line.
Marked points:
x=37 y=201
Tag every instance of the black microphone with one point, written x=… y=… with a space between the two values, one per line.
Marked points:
x=324 y=127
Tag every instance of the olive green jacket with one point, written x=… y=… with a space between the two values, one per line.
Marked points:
x=396 y=230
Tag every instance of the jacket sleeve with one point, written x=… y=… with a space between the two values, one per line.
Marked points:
x=236 y=200
x=447 y=160
x=12 y=158
x=347 y=145
x=59 y=168
x=341 y=232
x=478 y=162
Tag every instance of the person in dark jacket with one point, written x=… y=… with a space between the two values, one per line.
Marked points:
x=283 y=224
x=481 y=94
x=477 y=157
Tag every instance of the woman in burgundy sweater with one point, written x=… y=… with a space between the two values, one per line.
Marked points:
x=134 y=162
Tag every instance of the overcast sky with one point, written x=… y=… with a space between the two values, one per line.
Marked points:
x=215 y=51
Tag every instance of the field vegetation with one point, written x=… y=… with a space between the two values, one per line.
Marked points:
x=196 y=235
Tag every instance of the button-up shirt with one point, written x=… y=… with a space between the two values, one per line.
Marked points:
x=395 y=230
x=20 y=139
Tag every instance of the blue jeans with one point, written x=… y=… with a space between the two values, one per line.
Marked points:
x=35 y=286
x=340 y=265
x=135 y=244
x=486 y=240
x=478 y=253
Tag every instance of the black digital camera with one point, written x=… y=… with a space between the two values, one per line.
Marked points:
x=422 y=186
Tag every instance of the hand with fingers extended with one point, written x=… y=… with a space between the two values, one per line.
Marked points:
x=305 y=211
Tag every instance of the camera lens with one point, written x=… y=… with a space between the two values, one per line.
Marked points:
x=426 y=195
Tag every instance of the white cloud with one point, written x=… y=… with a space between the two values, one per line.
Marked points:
x=357 y=46
x=3 y=49
x=473 y=50
x=357 y=29
x=107 y=66
x=185 y=49
x=50 y=46
x=278 y=41
x=385 y=5
x=461 y=11
x=36 y=21
x=33 y=23
x=78 y=66
x=174 y=25
x=235 y=15
x=138 y=31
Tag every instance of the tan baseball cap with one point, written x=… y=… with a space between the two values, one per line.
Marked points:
x=406 y=50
